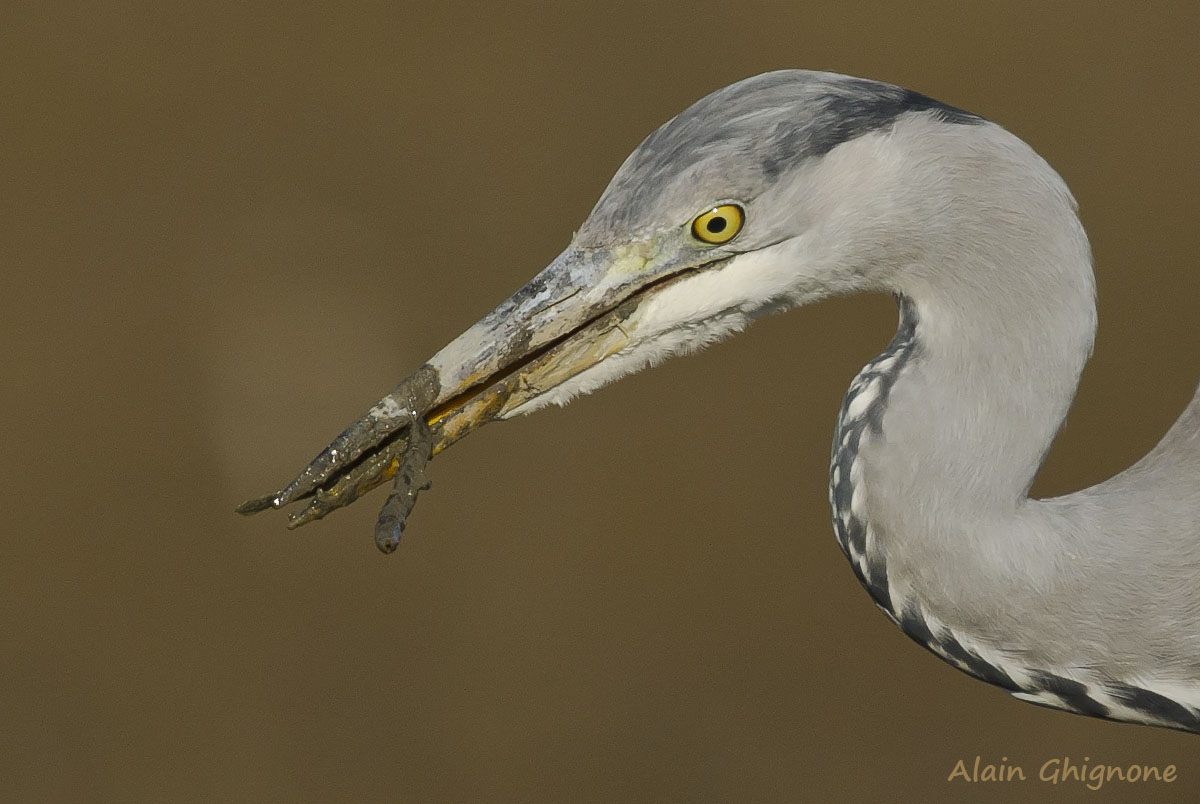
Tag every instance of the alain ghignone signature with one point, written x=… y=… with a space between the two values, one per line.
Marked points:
x=1061 y=770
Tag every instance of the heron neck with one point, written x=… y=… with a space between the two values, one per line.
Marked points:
x=1074 y=602
x=972 y=413
x=1002 y=299
x=941 y=436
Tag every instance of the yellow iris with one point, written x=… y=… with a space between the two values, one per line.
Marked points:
x=719 y=224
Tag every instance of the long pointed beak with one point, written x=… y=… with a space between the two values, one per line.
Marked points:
x=571 y=316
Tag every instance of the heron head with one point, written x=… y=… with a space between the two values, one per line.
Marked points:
x=748 y=202
x=771 y=192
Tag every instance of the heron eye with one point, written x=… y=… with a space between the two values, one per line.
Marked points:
x=719 y=224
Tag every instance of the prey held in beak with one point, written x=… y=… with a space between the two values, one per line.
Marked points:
x=579 y=310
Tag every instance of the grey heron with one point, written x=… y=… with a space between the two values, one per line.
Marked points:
x=793 y=186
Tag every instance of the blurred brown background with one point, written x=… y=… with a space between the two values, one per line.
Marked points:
x=225 y=232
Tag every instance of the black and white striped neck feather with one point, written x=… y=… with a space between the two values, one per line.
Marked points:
x=860 y=420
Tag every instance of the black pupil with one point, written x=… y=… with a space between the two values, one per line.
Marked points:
x=716 y=225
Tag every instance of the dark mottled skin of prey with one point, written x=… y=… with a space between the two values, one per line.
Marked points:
x=360 y=457
x=411 y=479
